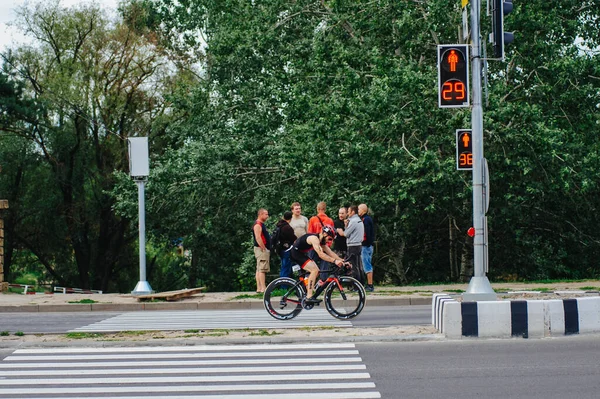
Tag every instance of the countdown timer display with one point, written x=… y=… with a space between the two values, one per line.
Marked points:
x=453 y=76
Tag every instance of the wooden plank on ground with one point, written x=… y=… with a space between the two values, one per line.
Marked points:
x=171 y=295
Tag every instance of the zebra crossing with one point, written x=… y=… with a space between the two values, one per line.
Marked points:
x=265 y=371
x=209 y=319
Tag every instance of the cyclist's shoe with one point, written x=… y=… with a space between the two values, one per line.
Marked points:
x=369 y=288
x=312 y=301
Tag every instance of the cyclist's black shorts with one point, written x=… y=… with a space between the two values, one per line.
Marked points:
x=302 y=258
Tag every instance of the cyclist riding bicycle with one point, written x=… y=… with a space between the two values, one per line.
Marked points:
x=300 y=254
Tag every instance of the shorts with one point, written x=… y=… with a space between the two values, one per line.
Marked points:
x=299 y=257
x=262 y=260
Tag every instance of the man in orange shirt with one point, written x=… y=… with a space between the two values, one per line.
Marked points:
x=316 y=223
x=315 y=226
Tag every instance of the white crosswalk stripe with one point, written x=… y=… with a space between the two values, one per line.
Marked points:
x=210 y=319
x=265 y=371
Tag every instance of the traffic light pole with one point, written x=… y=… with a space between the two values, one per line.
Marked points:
x=479 y=288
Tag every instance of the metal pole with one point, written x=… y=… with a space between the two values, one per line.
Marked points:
x=142 y=286
x=479 y=288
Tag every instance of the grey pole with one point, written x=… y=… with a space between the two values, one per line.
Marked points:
x=142 y=287
x=479 y=288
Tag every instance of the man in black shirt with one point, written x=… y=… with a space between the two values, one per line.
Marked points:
x=339 y=243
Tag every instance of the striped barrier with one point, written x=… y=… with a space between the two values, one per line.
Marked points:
x=522 y=318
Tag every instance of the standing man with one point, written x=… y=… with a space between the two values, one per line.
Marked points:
x=287 y=238
x=339 y=243
x=262 y=248
x=317 y=222
x=367 y=245
x=354 y=234
x=315 y=226
x=299 y=222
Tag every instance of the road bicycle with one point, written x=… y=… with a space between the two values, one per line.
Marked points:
x=344 y=296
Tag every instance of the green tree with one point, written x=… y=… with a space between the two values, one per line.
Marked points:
x=96 y=82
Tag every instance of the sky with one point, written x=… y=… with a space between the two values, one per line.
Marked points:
x=9 y=35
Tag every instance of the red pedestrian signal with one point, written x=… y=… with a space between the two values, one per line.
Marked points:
x=464 y=149
x=453 y=76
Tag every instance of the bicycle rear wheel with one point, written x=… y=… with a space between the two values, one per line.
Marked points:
x=345 y=303
x=283 y=298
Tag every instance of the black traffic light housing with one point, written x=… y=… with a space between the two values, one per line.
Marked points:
x=500 y=8
x=464 y=149
x=453 y=75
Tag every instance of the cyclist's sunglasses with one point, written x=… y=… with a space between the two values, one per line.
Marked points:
x=328 y=239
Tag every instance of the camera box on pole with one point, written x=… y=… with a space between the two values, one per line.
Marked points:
x=138 y=157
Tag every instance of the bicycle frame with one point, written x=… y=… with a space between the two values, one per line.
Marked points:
x=318 y=290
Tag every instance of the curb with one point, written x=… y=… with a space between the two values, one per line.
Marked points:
x=521 y=318
x=221 y=341
x=150 y=306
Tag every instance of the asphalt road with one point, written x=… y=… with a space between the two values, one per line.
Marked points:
x=554 y=368
x=565 y=367
x=61 y=322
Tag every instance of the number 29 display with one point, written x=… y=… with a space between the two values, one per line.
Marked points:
x=453 y=75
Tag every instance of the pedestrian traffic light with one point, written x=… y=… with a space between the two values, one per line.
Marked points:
x=453 y=75
x=500 y=8
x=464 y=149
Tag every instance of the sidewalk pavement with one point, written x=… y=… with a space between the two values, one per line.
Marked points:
x=383 y=296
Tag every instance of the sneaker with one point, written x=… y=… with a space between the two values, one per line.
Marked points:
x=370 y=288
x=312 y=301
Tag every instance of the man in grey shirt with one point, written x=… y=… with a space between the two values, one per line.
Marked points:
x=354 y=234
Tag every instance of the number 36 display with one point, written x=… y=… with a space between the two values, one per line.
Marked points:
x=453 y=75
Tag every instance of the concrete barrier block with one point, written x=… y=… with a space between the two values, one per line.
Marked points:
x=554 y=317
x=436 y=313
x=589 y=314
x=435 y=307
x=494 y=319
x=535 y=317
x=451 y=325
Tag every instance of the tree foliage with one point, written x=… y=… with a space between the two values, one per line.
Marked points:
x=314 y=100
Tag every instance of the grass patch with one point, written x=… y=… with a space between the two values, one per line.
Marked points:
x=265 y=333
x=191 y=331
x=84 y=301
x=248 y=296
x=4 y=333
x=590 y=288
x=455 y=291
x=134 y=333
x=317 y=328
x=19 y=333
x=82 y=335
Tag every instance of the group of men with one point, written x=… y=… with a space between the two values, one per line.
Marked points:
x=308 y=243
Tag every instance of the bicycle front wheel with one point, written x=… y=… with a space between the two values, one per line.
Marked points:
x=345 y=302
x=283 y=298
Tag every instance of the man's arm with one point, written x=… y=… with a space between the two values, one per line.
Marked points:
x=257 y=236
x=325 y=254
x=349 y=229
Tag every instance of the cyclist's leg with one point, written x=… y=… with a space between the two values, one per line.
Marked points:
x=313 y=269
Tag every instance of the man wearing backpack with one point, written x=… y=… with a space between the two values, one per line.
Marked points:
x=282 y=239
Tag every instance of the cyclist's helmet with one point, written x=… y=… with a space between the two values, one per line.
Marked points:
x=328 y=231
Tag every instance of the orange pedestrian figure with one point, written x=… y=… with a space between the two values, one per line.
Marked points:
x=453 y=60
